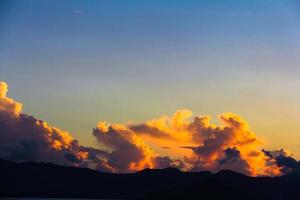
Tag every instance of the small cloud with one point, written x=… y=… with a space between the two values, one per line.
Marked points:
x=78 y=12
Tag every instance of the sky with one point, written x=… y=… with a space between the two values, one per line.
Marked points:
x=74 y=63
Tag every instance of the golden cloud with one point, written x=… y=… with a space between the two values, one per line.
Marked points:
x=168 y=141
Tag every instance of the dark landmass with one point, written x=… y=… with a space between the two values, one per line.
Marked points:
x=46 y=180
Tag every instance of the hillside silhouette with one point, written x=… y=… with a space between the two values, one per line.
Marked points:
x=31 y=179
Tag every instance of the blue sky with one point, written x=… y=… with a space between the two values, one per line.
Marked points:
x=73 y=63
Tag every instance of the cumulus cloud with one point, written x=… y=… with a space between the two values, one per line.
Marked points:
x=230 y=145
x=232 y=138
x=25 y=138
x=233 y=160
x=176 y=141
x=8 y=105
x=128 y=151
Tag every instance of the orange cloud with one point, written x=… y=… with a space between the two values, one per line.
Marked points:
x=128 y=151
x=7 y=104
x=176 y=141
x=231 y=145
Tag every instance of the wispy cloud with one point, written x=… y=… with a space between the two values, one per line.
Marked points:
x=78 y=12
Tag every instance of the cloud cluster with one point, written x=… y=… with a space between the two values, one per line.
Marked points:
x=176 y=141
x=25 y=138
x=230 y=145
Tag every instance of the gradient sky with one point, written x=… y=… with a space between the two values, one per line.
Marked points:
x=73 y=63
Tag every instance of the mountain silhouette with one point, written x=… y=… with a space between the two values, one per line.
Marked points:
x=29 y=179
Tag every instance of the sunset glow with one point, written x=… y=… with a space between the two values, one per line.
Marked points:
x=120 y=86
x=177 y=141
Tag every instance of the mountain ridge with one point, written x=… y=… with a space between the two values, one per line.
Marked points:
x=31 y=179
